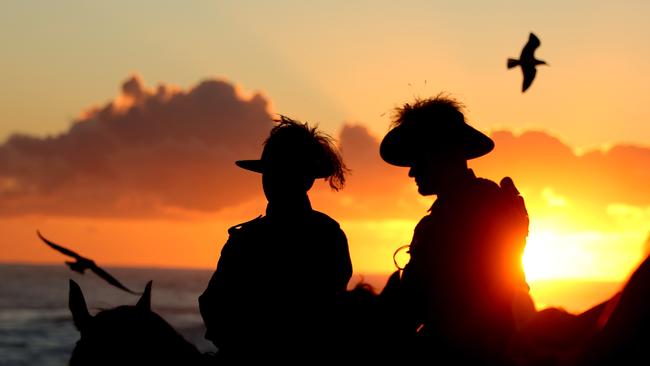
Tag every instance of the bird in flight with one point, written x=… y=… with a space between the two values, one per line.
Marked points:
x=527 y=61
x=81 y=264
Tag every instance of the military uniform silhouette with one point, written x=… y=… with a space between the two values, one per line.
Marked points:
x=278 y=276
x=465 y=270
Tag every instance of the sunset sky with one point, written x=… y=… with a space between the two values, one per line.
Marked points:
x=120 y=121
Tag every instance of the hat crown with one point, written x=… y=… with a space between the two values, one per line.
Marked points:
x=292 y=148
x=438 y=118
x=432 y=126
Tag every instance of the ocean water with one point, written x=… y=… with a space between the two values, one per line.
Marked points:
x=36 y=326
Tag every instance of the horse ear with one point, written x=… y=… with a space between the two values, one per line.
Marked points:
x=78 y=308
x=145 y=299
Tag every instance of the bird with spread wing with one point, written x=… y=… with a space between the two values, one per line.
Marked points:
x=81 y=264
x=527 y=61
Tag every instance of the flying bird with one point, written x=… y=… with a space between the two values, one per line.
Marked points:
x=527 y=61
x=81 y=264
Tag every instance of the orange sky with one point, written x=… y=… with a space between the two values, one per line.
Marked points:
x=148 y=180
x=337 y=61
x=128 y=185
x=146 y=177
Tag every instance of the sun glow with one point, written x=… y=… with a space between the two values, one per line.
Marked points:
x=541 y=258
x=589 y=255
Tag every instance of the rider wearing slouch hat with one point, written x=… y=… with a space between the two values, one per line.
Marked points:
x=465 y=271
x=279 y=274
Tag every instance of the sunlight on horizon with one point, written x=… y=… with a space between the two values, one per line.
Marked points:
x=587 y=255
x=576 y=270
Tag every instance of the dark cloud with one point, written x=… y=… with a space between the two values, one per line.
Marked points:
x=147 y=153
x=538 y=162
x=369 y=175
x=166 y=151
x=374 y=189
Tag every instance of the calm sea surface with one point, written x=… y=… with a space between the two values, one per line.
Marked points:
x=35 y=323
x=36 y=326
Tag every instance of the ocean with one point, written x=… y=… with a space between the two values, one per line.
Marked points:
x=36 y=326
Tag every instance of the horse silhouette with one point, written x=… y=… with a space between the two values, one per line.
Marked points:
x=625 y=326
x=373 y=327
x=362 y=318
x=615 y=332
x=134 y=335
x=128 y=335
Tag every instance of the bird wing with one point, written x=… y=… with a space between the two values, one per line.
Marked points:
x=529 y=76
x=530 y=47
x=59 y=248
x=110 y=279
x=90 y=263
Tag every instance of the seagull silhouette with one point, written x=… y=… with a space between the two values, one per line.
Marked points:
x=81 y=264
x=527 y=61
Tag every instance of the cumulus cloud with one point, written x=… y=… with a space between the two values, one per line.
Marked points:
x=374 y=189
x=149 y=152
x=167 y=151
x=369 y=175
x=584 y=186
x=539 y=160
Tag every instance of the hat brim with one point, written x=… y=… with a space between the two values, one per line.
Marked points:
x=402 y=145
x=256 y=166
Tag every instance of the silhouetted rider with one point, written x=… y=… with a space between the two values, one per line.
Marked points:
x=278 y=275
x=465 y=269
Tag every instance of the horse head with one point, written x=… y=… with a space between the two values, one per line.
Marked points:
x=126 y=335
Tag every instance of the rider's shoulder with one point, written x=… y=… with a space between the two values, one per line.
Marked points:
x=245 y=226
x=323 y=219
